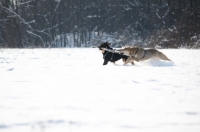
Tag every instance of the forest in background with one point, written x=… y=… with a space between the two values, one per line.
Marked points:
x=85 y=23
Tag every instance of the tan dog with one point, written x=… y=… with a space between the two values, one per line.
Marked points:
x=140 y=54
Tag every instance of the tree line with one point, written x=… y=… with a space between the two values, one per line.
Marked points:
x=77 y=23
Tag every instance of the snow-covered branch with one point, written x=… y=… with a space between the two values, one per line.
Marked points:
x=35 y=35
x=22 y=20
x=56 y=8
x=24 y=3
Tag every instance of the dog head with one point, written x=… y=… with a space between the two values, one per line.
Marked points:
x=105 y=45
x=128 y=51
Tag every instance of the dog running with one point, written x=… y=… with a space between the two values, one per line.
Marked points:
x=112 y=56
x=141 y=54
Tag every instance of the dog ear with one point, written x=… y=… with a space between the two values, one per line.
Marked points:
x=130 y=51
x=109 y=43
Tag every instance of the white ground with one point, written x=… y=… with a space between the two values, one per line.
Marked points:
x=68 y=90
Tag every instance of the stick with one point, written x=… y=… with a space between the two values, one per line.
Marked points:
x=113 y=51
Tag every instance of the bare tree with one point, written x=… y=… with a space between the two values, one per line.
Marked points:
x=62 y=23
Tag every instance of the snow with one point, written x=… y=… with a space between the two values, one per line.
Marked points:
x=61 y=90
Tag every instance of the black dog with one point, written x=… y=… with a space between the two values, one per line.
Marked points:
x=110 y=56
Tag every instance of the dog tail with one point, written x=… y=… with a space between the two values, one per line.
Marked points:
x=162 y=56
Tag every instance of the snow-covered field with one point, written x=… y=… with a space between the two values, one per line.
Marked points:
x=68 y=90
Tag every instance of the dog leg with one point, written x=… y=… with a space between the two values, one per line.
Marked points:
x=136 y=59
x=128 y=61
x=105 y=62
x=114 y=63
